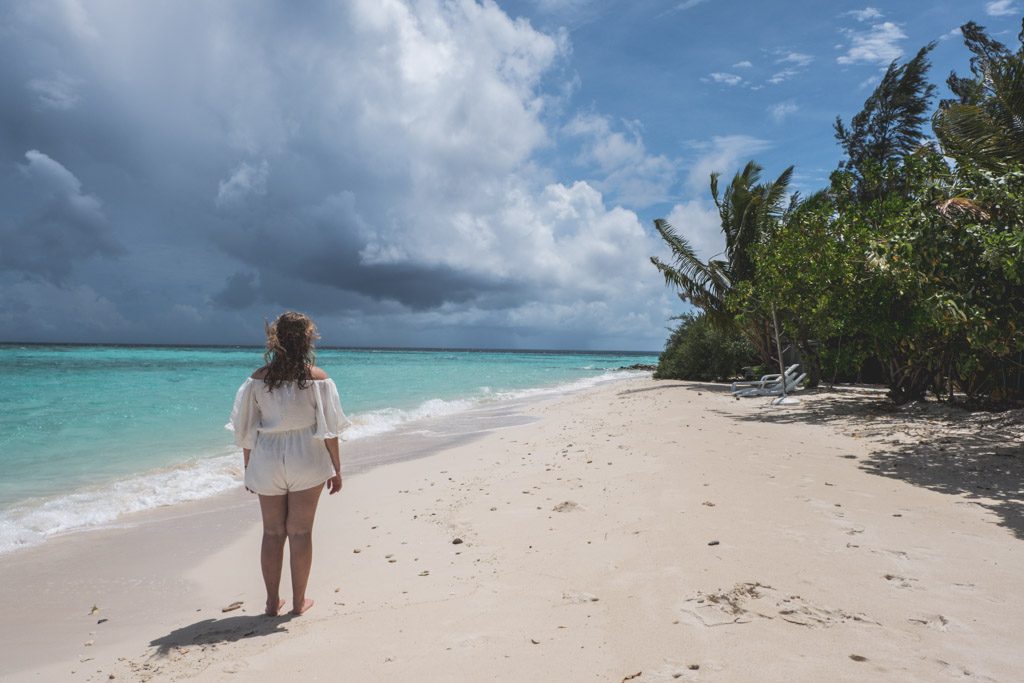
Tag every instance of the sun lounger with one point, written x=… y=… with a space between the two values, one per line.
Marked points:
x=765 y=381
x=773 y=389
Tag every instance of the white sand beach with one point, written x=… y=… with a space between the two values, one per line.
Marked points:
x=639 y=530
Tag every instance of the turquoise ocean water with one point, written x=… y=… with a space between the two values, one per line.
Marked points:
x=89 y=433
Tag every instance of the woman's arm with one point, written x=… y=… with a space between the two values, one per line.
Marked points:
x=245 y=465
x=334 y=483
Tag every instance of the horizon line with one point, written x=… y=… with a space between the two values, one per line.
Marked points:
x=333 y=348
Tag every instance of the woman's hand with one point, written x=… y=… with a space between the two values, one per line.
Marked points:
x=334 y=484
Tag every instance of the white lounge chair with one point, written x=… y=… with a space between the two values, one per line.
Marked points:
x=765 y=380
x=775 y=389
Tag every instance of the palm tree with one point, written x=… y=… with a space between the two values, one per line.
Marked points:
x=747 y=210
x=985 y=125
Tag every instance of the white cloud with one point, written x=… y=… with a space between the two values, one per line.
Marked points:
x=869 y=82
x=60 y=91
x=561 y=6
x=782 y=76
x=628 y=173
x=722 y=154
x=793 y=64
x=244 y=181
x=798 y=59
x=866 y=14
x=400 y=134
x=953 y=33
x=698 y=221
x=781 y=110
x=688 y=4
x=877 y=45
x=745 y=64
x=725 y=78
x=1001 y=8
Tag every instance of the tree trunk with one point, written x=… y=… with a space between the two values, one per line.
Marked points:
x=810 y=358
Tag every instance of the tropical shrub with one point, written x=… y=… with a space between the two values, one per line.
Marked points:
x=697 y=350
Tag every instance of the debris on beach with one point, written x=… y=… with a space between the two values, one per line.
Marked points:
x=94 y=610
x=232 y=607
x=712 y=542
x=457 y=541
x=579 y=597
x=566 y=506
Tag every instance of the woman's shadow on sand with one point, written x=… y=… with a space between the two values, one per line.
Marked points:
x=214 y=631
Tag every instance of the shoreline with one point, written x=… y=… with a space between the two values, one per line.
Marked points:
x=639 y=527
x=219 y=474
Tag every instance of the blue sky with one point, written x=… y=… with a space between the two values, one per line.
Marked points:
x=411 y=173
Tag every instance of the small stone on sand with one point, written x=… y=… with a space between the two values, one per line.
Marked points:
x=457 y=541
x=712 y=542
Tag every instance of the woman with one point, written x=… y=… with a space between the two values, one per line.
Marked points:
x=287 y=418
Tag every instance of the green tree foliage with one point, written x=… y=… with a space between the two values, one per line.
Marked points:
x=891 y=124
x=698 y=350
x=912 y=258
x=747 y=209
x=984 y=124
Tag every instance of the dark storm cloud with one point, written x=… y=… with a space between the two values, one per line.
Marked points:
x=321 y=258
x=240 y=291
x=57 y=224
x=197 y=165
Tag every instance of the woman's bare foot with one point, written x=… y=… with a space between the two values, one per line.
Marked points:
x=306 y=605
x=274 y=611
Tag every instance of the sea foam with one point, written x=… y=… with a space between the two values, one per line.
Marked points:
x=33 y=521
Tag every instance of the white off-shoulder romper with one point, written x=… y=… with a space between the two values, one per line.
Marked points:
x=285 y=429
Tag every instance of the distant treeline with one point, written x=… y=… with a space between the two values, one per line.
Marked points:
x=907 y=267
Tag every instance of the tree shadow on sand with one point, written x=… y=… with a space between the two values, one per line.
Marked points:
x=226 y=630
x=979 y=456
x=667 y=384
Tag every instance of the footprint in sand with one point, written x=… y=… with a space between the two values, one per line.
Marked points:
x=899 y=581
x=936 y=622
x=745 y=602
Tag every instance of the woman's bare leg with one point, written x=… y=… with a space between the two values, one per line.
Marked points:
x=275 y=514
x=299 y=525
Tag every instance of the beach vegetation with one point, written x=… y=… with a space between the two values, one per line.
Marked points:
x=699 y=350
x=911 y=260
x=747 y=209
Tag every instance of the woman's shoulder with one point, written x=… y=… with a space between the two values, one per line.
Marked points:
x=314 y=373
